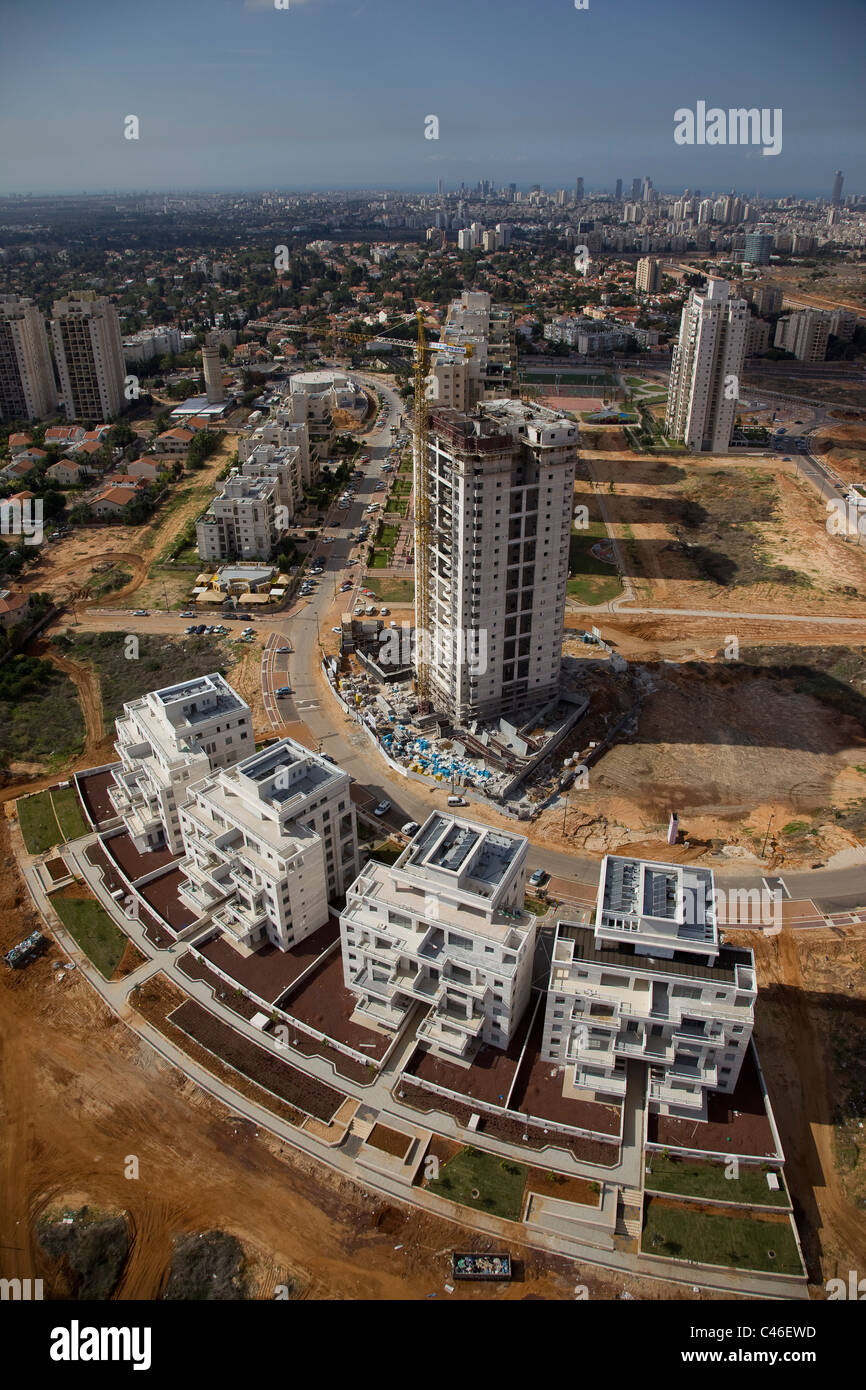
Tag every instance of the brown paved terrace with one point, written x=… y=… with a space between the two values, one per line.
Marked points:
x=162 y=895
x=130 y=861
x=93 y=791
x=488 y=1078
x=269 y=971
x=324 y=1003
x=735 y=1124
x=539 y=1092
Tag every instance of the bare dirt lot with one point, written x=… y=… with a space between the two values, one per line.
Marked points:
x=709 y=534
x=842 y=446
x=781 y=730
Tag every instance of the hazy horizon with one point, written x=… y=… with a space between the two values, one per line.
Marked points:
x=332 y=95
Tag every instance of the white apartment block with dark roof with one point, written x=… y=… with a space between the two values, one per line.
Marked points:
x=443 y=927
x=650 y=982
x=167 y=740
x=268 y=843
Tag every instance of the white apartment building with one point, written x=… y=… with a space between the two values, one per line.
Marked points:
x=588 y=335
x=706 y=367
x=150 y=343
x=805 y=334
x=281 y=464
x=488 y=373
x=284 y=432
x=27 y=390
x=652 y=982
x=500 y=484
x=166 y=741
x=242 y=523
x=268 y=843
x=88 y=350
x=443 y=927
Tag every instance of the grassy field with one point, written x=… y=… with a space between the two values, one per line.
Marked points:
x=722 y=508
x=38 y=823
x=94 y=931
x=694 y=1179
x=68 y=812
x=679 y=1233
x=40 y=717
x=161 y=661
x=590 y=579
x=499 y=1183
x=395 y=590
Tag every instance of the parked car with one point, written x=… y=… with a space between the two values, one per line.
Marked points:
x=202 y=627
x=410 y=828
x=141 y=613
x=456 y=801
x=540 y=876
x=283 y=691
x=188 y=614
x=281 y=651
x=382 y=809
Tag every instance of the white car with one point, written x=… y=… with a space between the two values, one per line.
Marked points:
x=336 y=629
x=382 y=809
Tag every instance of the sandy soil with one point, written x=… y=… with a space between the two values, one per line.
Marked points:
x=645 y=511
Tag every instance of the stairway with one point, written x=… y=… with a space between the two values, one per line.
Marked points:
x=629 y=1209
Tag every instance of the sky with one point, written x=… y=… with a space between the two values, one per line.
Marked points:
x=335 y=94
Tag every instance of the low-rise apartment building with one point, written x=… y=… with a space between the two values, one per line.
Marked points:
x=268 y=843
x=167 y=740
x=444 y=927
x=242 y=523
x=652 y=982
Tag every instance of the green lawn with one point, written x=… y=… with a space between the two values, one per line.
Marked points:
x=695 y=1179
x=591 y=580
x=536 y=906
x=739 y=1242
x=38 y=823
x=72 y=822
x=381 y=560
x=498 y=1182
x=395 y=590
x=94 y=931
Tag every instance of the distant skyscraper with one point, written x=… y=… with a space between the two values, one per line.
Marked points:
x=440 y=189
x=838 y=180
x=578 y=191
x=27 y=389
x=635 y=189
x=649 y=276
x=758 y=248
x=706 y=368
x=88 y=350
x=618 y=194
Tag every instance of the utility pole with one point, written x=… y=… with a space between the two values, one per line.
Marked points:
x=767 y=836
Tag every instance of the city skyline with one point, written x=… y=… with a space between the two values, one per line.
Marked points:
x=232 y=97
